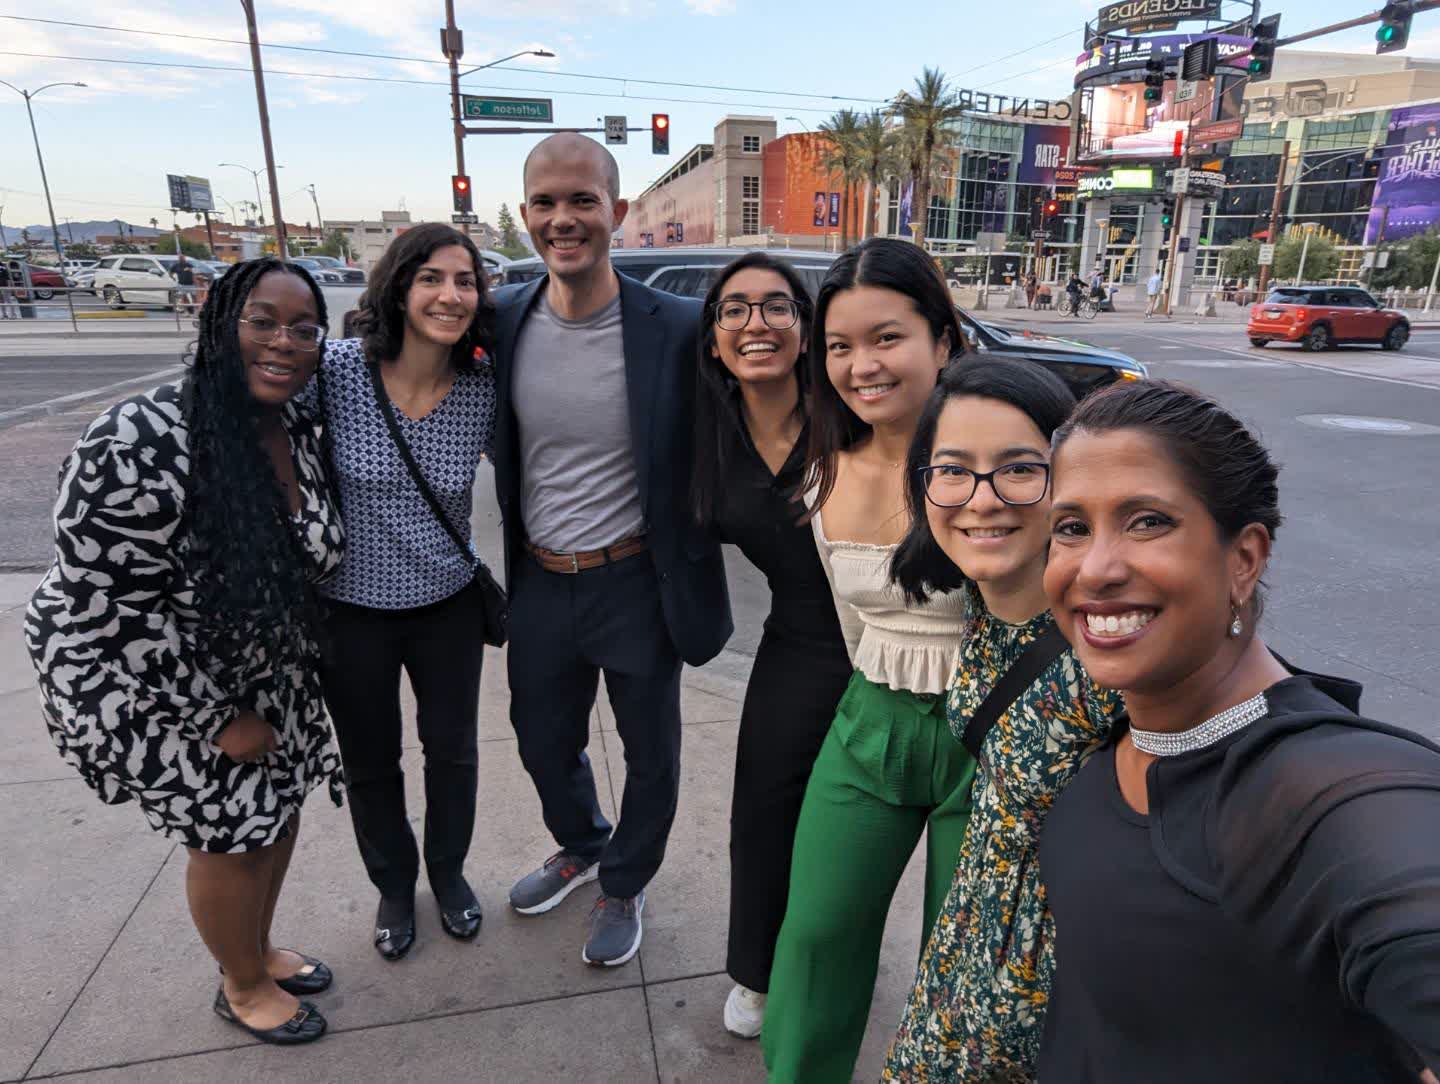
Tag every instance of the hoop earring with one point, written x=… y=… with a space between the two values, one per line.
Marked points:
x=1237 y=626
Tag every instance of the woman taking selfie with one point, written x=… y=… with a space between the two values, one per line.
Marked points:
x=888 y=769
x=175 y=634
x=411 y=385
x=751 y=432
x=980 y=522
x=1269 y=904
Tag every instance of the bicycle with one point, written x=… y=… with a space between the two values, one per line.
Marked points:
x=1086 y=307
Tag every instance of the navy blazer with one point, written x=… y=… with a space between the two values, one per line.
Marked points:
x=659 y=332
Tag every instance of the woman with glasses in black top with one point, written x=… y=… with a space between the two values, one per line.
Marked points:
x=750 y=447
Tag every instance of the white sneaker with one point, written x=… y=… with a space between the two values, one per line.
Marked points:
x=744 y=1012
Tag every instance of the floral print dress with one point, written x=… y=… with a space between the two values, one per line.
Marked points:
x=978 y=1005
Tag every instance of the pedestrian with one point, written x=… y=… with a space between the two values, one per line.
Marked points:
x=1153 y=286
x=1032 y=287
x=752 y=427
x=1097 y=286
x=980 y=522
x=7 y=300
x=1073 y=289
x=184 y=275
x=176 y=634
x=889 y=770
x=410 y=411
x=1244 y=879
x=608 y=571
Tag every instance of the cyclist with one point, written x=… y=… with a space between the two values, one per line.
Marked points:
x=1073 y=290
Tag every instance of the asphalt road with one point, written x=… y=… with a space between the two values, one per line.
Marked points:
x=1353 y=582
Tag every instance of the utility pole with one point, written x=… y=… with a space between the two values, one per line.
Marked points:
x=1275 y=216
x=281 y=249
x=452 y=44
x=209 y=234
x=319 y=222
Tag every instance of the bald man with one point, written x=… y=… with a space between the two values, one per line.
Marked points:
x=607 y=570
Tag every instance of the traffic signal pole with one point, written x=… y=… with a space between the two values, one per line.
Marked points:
x=453 y=44
x=1275 y=215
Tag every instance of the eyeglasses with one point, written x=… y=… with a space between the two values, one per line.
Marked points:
x=265 y=330
x=778 y=313
x=949 y=486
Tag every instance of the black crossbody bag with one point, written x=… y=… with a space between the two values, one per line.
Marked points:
x=1038 y=654
x=493 y=603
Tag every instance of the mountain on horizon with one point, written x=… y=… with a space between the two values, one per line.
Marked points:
x=80 y=231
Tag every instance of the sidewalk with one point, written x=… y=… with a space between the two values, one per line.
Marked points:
x=107 y=980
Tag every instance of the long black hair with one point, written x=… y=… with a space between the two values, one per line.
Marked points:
x=889 y=264
x=250 y=569
x=379 y=318
x=717 y=411
x=920 y=566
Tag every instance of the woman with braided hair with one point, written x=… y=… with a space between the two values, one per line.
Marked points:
x=175 y=633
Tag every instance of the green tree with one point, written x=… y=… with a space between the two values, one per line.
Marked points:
x=510 y=243
x=841 y=157
x=1412 y=263
x=1322 y=259
x=878 y=161
x=335 y=244
x=1242 y=260
x=81 y=250
x=195 y=250
x=930 y=113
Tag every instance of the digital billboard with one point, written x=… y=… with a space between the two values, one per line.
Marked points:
x=1409 y=182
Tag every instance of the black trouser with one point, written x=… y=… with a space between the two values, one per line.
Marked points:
x=795 y=685
x=439 y=647
x=565 y=630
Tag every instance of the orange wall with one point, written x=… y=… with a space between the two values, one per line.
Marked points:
x=689 y=200
x=793 y=173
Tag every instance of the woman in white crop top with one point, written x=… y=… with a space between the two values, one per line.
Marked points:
x=885 y=328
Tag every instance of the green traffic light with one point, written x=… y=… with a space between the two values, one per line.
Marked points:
x=1256 y=66
x=1385 y=35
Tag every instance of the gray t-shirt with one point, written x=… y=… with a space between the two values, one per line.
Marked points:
x=578 y=489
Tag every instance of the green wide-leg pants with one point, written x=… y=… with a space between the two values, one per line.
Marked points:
x=889 y=769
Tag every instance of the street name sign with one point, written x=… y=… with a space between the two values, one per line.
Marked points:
x=541 y=110
x=1267 y=255
x=616 y=130
x=465 y=219
x=1039 y=235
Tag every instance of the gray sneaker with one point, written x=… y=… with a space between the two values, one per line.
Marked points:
x=615 y=931
x=562 y=874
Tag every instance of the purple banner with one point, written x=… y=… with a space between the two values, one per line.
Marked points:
x=1046 y=148
x=834 y=208
x=822 y=204
x=1409 y=183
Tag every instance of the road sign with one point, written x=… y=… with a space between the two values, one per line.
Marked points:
x=1039 y=235
x=532 y=109
x=1267 y=255
x=1180 y=180
x=990 y=242
x=616 y=130
x=1222 y=131
x=1186 y=89
x=189 y=193
x=465 y=219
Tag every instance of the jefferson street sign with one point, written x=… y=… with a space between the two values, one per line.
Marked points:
x=532 y=109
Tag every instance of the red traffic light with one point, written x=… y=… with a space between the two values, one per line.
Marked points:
x=460 y=190
x=462 y=183
x=661 y=120
x=1052 y=207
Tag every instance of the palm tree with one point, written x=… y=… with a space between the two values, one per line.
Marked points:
x=875 y=151
x=841 y=158
x=929 y=113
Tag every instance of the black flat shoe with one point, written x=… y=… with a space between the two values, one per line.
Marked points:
x=394 y=927
x=459 y=910
x=312 y=978
x=305 y=1026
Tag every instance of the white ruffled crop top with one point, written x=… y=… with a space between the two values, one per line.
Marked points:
x=891 y=640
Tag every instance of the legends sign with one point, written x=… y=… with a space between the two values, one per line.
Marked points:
x=1141 y=15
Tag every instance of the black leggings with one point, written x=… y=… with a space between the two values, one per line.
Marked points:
x=439 y=647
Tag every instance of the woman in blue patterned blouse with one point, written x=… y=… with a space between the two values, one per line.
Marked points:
x=399 y=601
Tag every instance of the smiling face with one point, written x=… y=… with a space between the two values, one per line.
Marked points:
x=757 y=353
x=999 y=546
x=880 y=355
x=569 y=208
x=1139 y=577
x=441 y=302
x=277 y=370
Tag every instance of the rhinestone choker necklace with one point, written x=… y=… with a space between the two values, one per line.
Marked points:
x=1161 y=743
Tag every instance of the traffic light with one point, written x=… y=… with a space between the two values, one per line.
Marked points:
x=1167 y=216
x=460 y=188
x=660 y=133
x=1262 y=50
x=1394 y=32
x=1052 y=208
x=1154 y=79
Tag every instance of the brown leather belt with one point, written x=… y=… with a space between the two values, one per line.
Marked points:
x=571 y=563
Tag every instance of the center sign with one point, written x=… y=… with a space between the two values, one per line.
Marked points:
x=1117 y=180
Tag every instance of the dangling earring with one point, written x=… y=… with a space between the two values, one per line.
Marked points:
x=1236 y=625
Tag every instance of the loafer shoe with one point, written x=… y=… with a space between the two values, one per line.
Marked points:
x=562 y=874
x=395 y=927
x=312 y=978
x=459 y=911
x=305 y=1026
x=615 y=931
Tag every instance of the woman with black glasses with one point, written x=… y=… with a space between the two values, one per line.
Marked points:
x=751 y=433
x=176 y=633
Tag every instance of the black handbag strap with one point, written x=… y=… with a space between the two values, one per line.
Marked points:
x=1038 y=654
x=387 y=409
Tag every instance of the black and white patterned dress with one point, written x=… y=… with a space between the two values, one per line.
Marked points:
x=130 y=701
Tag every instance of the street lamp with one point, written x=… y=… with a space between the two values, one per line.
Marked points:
x=503 y=59
x=44 y=181
x=254 y=176
x=800 y=122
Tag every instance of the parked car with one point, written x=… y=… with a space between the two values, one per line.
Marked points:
x=689 y=272
x=82 y=282
x=44 y=280
x=318 y=271
x=495 y=264
x=1319 y=317
x=135 y=279
x=348 y=275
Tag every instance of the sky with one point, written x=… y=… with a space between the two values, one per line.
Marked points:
x=369 y=145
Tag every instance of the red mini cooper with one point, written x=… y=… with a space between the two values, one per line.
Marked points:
x=1320 y=317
